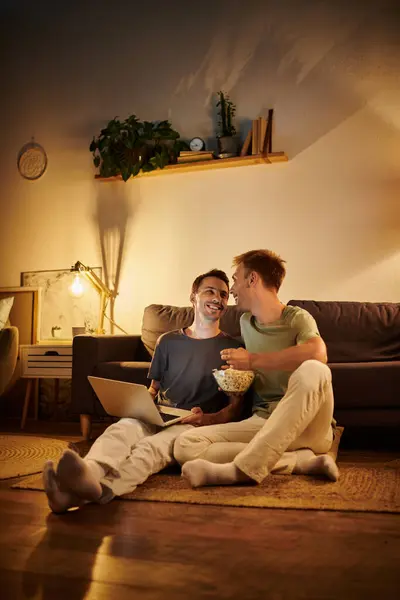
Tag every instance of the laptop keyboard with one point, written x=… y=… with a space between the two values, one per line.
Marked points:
x=165 y=417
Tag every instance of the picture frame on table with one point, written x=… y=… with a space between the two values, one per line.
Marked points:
x=59 y=310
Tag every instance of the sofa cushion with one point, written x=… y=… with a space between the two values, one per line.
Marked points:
x=366 y=385
x=160 y=318
x=357 y=331
x=5 y=309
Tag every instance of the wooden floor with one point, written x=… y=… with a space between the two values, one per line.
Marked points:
x=175 y=551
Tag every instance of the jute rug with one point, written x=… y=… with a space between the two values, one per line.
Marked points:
x=365 y=488
x=372 y=487
x=24 y=455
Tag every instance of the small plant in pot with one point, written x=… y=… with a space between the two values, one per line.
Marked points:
x=127 y=147
x=227 y=142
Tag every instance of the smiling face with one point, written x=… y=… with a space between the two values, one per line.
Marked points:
x=211 y=299
x=241 y=289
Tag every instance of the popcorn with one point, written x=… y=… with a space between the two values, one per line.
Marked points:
x=233 y=381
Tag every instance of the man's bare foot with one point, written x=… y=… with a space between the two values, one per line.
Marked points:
x=76 y=477
x=201 y=472
x=59 y=501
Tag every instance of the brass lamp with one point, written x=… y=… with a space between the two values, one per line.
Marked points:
x=105 y=293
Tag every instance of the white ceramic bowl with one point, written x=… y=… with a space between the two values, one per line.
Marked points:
x=233 y=381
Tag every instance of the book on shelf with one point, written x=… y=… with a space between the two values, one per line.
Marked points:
x=255 y=138
x=195 y=156
x=247 y=143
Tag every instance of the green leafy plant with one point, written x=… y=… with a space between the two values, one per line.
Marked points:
x=127 y=147
x=227 y=110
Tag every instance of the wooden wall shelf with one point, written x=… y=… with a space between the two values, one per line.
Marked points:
x=217 y=163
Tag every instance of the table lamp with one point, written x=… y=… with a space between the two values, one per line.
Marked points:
x=105 y=293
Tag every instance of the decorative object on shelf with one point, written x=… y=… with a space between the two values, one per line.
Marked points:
x=127 y=147
x=197 y=144
x=105 y=294
x=56 y=331
x=57 y=306
x=227 y=142
x=32 y=161
x=78 y=331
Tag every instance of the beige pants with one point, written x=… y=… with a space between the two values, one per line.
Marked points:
x=257 y=446
x=130 y=451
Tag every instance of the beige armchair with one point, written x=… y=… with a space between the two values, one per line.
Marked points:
x=9 y=338
x=20 y=329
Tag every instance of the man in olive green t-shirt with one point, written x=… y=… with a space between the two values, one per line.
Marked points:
x=290 y=430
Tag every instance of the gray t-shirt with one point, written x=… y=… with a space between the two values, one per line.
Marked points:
x=183 y=366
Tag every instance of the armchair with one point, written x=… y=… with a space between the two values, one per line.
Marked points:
x=8 y=355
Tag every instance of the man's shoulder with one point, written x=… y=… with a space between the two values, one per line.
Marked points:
x=293 y=312
x=245 y=318
x=170 y=335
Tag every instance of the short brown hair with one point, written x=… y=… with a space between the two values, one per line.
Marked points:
x=213 y=273
x=267 y=264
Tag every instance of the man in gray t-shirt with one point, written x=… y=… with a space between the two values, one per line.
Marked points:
x=129 y=451
x=183 y=367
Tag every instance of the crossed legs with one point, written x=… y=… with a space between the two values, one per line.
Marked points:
x=287 y=441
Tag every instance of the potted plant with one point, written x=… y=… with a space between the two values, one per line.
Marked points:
x=227 y=142
x=127 y=147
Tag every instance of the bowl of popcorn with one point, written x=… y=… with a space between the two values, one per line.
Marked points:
x=232 y=381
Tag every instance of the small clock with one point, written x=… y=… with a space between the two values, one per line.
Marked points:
x=197 y=144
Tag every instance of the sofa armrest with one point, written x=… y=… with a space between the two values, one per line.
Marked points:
x=109 y=348
x=90 y=350
x=9 y=338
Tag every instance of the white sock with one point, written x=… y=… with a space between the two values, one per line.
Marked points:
x=59 y=501
x=79 y=477
x=310 y=464
x=201 y=472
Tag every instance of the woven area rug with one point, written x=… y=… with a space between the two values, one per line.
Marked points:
x=372 y=487
x=24 y=455
x=365 y=488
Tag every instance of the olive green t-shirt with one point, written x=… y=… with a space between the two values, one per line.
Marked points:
x=295 y=326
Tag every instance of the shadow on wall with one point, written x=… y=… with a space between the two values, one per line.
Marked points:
x=317 y=64
x=114 y=212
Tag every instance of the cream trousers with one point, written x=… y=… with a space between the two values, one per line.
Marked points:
x=258 y=446
x=130 y=451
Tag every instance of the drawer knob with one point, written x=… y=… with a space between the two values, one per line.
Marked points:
x=51 y=353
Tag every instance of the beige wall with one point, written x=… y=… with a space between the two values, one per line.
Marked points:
x=330 y=71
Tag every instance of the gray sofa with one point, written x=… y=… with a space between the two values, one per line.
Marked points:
x=363 y=341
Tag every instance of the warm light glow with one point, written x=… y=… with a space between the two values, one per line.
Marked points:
x=77 y=288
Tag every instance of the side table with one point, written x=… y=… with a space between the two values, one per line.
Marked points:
x=44 y=361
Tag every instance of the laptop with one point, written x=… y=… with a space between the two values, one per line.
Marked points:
x=123 y=399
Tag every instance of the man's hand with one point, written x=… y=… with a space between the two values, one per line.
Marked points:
x=237 y=358
x=197 y=418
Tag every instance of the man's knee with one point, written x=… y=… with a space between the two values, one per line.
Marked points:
x=312 y=374
x=189 y=446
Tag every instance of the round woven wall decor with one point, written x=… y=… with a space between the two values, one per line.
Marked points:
x=32 y=161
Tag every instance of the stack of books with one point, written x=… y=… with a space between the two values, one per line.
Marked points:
x=259 y=138
x=189 y=156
